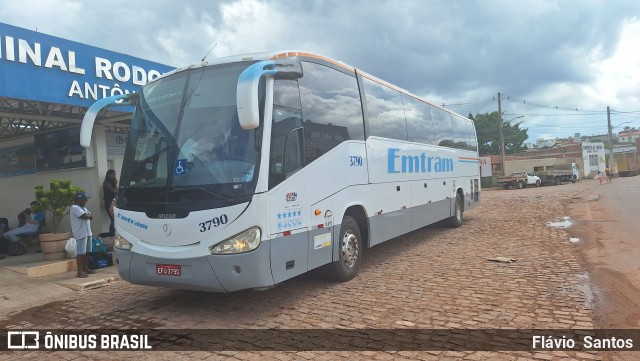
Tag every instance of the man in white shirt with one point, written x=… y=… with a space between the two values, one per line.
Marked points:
x=81 y=230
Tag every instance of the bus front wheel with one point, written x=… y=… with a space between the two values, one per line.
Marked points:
x=350 y=252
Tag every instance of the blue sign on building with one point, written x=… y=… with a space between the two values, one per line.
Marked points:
x=45 y=68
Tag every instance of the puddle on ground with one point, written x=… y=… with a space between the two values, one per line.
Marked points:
x=564 y=223
x=586 y=289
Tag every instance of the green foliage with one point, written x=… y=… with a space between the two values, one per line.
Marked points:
x=57 y=201
x=487 y=129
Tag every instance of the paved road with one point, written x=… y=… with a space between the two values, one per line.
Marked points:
x=430 y=278
x=608 y=222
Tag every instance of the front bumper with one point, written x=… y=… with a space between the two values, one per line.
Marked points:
x=219 y=273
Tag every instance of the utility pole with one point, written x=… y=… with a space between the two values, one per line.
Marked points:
x=501 y=132
x=610 y=141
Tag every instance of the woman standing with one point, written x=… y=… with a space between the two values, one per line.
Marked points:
x=110 y=188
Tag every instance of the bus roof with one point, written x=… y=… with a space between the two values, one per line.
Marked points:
x=273 y=55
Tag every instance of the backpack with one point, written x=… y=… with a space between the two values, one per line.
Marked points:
x=22 y=218
x=16 y=249
x=99 y=260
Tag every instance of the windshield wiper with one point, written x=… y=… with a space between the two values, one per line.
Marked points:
x=202 y=189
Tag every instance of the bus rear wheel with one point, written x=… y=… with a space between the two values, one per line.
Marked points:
x=350 y=251
x=455 y=221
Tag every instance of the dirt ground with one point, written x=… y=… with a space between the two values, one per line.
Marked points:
x=609 y=241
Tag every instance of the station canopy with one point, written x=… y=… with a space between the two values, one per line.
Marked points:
x=19 y=117
x=48 y=82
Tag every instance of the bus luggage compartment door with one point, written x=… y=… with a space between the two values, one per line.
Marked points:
x=289 y=255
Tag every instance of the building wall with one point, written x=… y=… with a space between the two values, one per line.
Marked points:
x=539 y=165
x=527 y=165
x=629 y=137
x=593 y=158
x=18 y=191
x=568 y=151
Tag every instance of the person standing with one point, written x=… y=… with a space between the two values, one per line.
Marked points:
x=607 y=172
x=81 y=230
x=110 y=189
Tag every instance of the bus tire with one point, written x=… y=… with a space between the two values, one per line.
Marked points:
x=350 y=252
x=455 y=221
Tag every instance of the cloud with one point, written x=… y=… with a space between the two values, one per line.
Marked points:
x=566 y=53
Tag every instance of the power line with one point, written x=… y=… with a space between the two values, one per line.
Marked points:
x=545 y=106
x=469 y=102
x=531 y=104
x=555 y=115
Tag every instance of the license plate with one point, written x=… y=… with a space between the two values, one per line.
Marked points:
x=168 y=270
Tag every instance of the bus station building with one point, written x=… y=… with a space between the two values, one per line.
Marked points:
x=46 y=86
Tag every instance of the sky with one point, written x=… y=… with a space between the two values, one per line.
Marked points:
x=557 y=64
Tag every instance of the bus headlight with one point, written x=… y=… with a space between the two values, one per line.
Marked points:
x=120 y=242
x=240 y=243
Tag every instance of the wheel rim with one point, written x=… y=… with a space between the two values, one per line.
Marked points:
x=349 y=249
x=458 y=211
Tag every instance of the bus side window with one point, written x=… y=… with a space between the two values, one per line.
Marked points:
x=286 y=133
x=293 y=153
x=419 y=120
x=385 y=111
x=442 y=128
x=459 y=126
x=331 y=109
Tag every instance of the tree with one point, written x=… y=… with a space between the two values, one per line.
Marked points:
x=57 y=200
x=488 y=132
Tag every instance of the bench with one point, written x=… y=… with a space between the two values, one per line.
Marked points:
x=31 y=239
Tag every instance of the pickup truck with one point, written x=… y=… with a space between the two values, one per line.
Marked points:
x=519 y=180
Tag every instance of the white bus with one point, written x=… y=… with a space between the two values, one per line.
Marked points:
x=243 y=172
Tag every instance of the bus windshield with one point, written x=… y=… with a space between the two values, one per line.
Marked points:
x=186 y=145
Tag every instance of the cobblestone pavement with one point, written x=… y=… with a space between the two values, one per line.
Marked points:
x=430 y=278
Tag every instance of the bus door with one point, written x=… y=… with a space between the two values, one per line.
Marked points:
x=288 y=210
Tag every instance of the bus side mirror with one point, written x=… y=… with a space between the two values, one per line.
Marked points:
x=92 y=113
x=247 y=89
